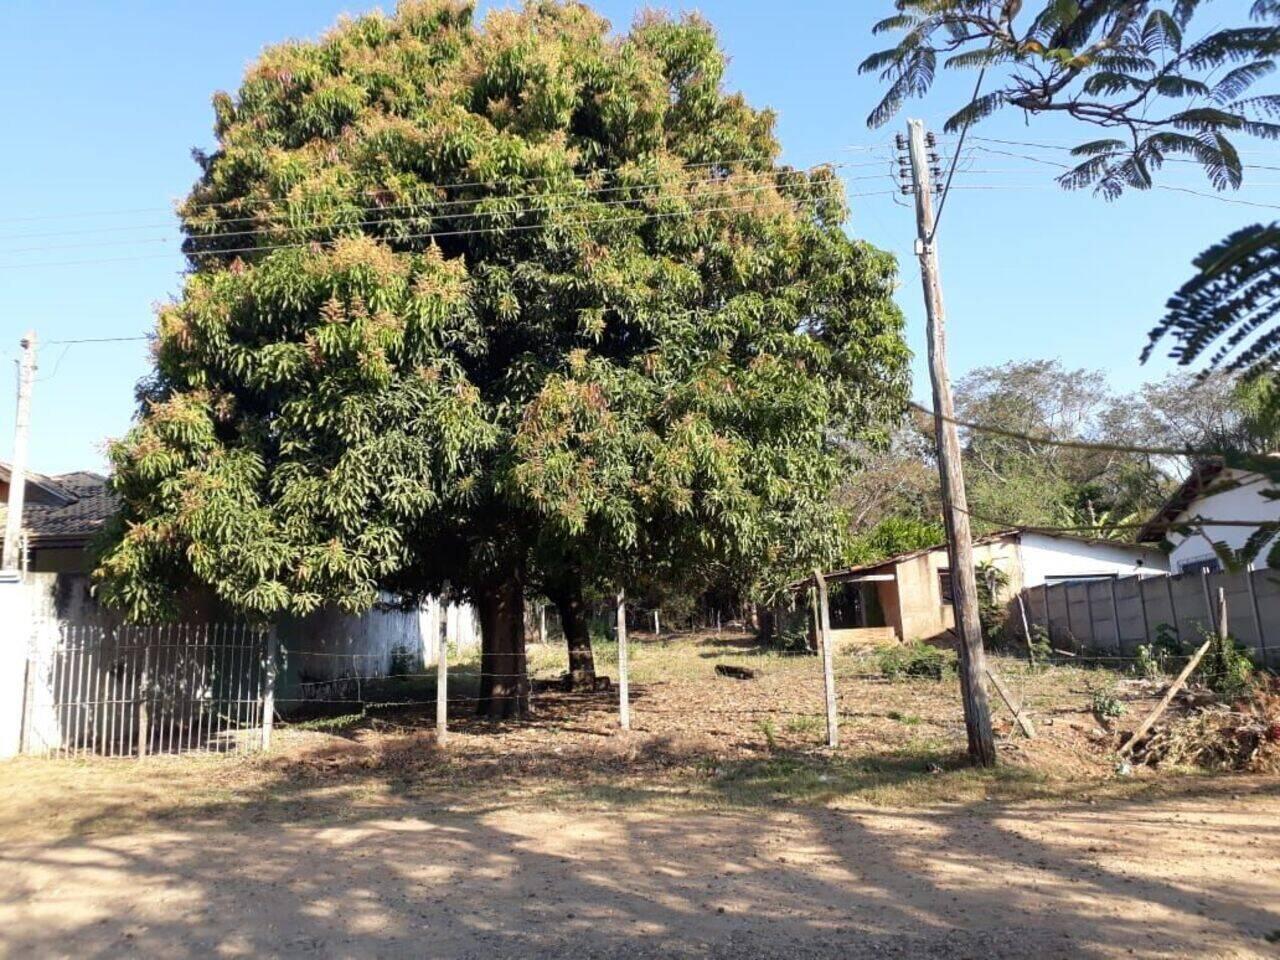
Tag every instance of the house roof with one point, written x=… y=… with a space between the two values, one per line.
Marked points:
x=850 y=573
x=1203 y=473
x=86 y=503
x=41 y=482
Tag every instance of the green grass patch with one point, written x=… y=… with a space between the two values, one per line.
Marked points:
x=916 y=660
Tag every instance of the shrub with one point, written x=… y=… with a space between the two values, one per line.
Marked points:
x=1040 y=646
x=794 y=640
x=1149 y=662
x=403 y=662
x=917 y=660
x=991 y=582
x=1106 y=705
x=1226 y=668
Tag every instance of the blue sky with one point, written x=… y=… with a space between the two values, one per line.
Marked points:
x=104 y=100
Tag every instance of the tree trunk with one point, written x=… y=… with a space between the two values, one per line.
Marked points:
x=762 y=617
x=504 y=679
x=577 y=633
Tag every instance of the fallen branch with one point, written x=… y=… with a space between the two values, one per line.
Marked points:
x=1172 y=692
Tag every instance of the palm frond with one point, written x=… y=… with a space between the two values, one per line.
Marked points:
x=1231 y=87
x=975 y=110
x=1232 y=46
x=1235 y=291
x=1161 y=32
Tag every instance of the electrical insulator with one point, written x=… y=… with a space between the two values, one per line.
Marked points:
x=930 y=139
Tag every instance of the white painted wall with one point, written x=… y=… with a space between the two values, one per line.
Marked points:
x=1045 y=558
x=329 y=644
x=15 y=619
x=1242 y=503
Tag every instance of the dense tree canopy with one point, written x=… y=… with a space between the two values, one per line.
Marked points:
x=485 y=305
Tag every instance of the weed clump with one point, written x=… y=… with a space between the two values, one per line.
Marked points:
x=916 y=660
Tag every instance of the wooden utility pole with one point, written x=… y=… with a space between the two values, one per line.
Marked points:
x=828 y=668
x=955 y=505
x=11 y=559
x=624 y=686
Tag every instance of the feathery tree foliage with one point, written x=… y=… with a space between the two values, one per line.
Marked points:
x=1131 y=68
x=490 y=307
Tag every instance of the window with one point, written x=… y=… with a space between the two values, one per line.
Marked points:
x=944 y=587
x=1055 y=579
x=1202 y=565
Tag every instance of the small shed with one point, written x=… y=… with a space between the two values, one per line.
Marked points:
x=908 y=596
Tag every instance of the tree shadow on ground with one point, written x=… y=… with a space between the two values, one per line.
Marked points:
x=342 y=851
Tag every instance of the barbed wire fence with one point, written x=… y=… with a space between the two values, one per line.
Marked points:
x=129 y=691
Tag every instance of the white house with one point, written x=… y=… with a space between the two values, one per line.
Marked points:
x=1212 y=492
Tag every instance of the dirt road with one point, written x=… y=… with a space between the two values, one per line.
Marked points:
x=1194 y=876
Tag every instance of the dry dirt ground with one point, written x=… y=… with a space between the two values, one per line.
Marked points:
x=720 y=827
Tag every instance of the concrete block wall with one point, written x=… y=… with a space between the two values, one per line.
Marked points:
x=1116 y=616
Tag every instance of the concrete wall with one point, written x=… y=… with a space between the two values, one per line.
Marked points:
x=1049 y=558
x=326 y=645
x=1115 y=616
x=1242 y=503
x=332 y=645
x=14 y=610
x=921 y=612
x=32 y=611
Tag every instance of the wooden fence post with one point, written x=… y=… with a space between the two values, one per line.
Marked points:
x=1210 y=618
x=657 y=626
x=1257 y=615
x=1142 y=604
x=1088 y=612
x=1169 y=695
x=1115 y=616
x=817 y=620
x=1173 y=608
x=828 y=670
x=269 y=687
x=1026 y=630
x=442 y=688
x=1048 y=619
x=624 y=688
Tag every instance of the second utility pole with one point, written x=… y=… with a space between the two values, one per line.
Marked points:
x=955 y=505
x=11 y=557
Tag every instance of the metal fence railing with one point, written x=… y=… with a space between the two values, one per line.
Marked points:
x=127 y=690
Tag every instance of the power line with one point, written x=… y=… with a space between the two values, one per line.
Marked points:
x=97 y=340
x=955 y=159
x=1069 y=147
x=394 y=221
x=1085 y=528
x=448 y=185
x=1069 y=444
x=429 y=235
x=280 y=209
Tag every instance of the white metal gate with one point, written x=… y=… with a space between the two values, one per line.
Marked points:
x=126 y=690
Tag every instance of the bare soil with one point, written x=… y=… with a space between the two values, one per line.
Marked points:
x=720 y=827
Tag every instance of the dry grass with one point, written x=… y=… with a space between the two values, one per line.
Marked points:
x=699 y=741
